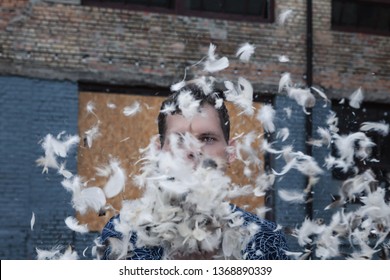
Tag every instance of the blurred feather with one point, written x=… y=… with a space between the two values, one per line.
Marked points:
x=55 y=147
x=381 y=127
x=132 y=110
x=242 y=95
x=245 y=52
x=212 y=64
x=325 y=140
x=74 y=225
x=285 y=82
x=84 y=199
x=356 y=98
x=266 y=116
x=283 y=58
x=323 y=95
x=284 y=16
x=117 y=180
x=292 y=196
x=283 y=133
x=32 y=222
x=187 y=104
x=62 y=171
x=303 y=97
x=91 y=134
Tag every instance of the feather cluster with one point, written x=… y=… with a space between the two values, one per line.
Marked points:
x=184 y=207
x=212 y=63
x=241 y=95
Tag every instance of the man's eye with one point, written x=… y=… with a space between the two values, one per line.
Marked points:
x=208 y=139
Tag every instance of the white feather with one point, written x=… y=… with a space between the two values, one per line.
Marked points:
x=32 y=222
x=285 y=82
x=323 y=95
x=47 y=254
x=132 y=110
x=91 y=134
x=303 y=97
x=187 y=104
x=111 y=106
x=283 y=133
x=284 y=16
x=62 y=171
x=283 y=58
x=69 y=254
x=356 y=98
x=74 y=225
x=117 y=180
x=292 y=196
x=90 y=107
x=212 y=64
x=266 y=116
x=242 y=95
x=89 y=198
x=380 y=127
x=245 y=52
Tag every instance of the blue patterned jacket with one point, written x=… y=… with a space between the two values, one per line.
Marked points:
x=270 y=242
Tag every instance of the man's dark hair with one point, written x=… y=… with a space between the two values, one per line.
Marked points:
x=198 y=94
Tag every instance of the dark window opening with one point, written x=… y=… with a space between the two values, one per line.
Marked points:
x=350 y=121
x=245 y=10
x=368 y=16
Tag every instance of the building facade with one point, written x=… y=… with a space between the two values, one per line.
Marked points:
x=51 y=51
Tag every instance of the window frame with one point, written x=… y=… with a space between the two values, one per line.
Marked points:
x=179 y=9
x=355 y=29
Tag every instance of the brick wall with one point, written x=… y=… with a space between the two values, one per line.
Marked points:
x=76 y=42
x=30 y=109
x=50 y=42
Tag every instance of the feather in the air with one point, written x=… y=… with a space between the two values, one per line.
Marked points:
x=303 y=97
x=84 y=198
x=187 y=104
x=133 y=109
x=32 y=221
x=245 y=52
x=263 y=183
x=111 y=105
x=322 y=94
x=325 y=138
x=64 y=172
x=212 y=64
x=356 y=98
x=53 y=148
x=292 y=196
x=284 y=16
x=305 y=232
x=48 y=254
x=266 y=116
x=283 y=134
x=242 y=95
x=283 y=58
x=285 y=82
x=69 y=254
x=91 y=134
x=116 y=181
x=73 y=224
x=380 y=127
x=288 y=111
x=353 y=144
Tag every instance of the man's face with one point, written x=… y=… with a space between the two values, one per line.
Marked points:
x=205 y=127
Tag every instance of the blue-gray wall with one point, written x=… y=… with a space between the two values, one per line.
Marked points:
x=30 y=109
x=291 y=215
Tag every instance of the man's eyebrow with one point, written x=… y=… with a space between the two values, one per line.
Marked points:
x=208 y=134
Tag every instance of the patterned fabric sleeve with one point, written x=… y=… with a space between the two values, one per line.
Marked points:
x=268 y=243
x=143 y=253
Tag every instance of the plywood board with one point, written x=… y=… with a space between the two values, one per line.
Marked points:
x=122 y=136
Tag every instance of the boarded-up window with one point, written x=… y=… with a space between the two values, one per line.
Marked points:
x=121 y=136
